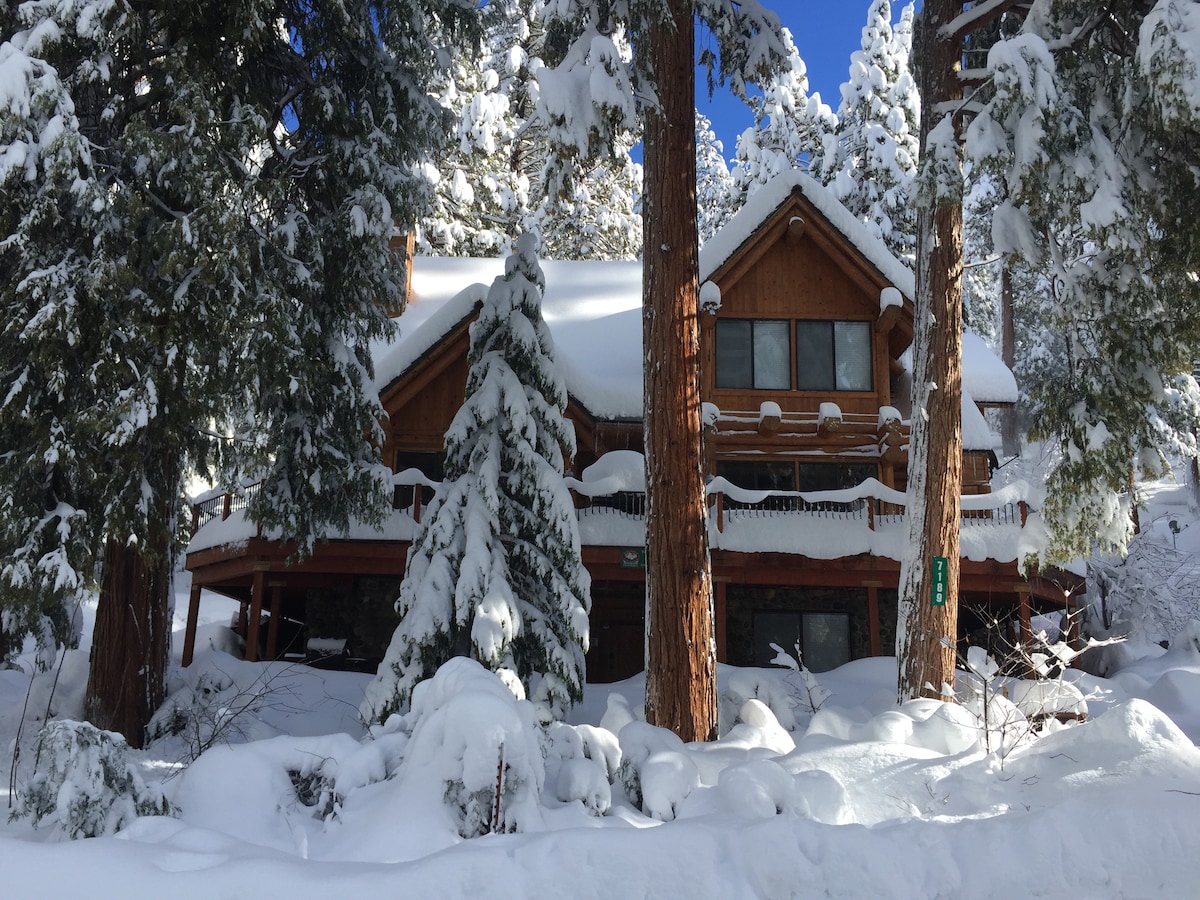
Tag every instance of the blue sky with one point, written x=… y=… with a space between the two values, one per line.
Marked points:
x=826 y=32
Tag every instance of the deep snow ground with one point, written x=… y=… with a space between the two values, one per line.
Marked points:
x=861 y=799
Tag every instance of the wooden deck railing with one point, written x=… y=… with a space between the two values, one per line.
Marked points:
x=724 y=505
x=872 y=510
x=411 y=487
x=221 y=506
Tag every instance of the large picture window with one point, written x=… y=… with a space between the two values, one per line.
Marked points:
x=833 y=356
x=753 y=353
x=823 y=637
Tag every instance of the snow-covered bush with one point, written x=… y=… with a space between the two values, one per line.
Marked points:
x=581 y=761
x=218 y=699
x=762 y=788
x=758 y=726
x=793 y=697
x=470 y=735
x=85 y=784
x=655 y=770
x=767 y=687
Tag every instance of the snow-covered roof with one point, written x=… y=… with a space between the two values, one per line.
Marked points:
x=763 y=203
x=594 y=310
x=987 y=378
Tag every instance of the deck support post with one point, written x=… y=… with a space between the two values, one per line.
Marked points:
x=273 y=625
x=256 y=604
x=719 y=613
x=873 y=620
x=189 y=631
x=1026 y=638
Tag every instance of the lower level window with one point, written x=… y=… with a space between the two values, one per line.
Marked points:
x=823 y=637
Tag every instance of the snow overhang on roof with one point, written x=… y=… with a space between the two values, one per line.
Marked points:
x=985 y=376
x=593 y=309
x=767 y=199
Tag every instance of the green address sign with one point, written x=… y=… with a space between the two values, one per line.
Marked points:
x=941 y=580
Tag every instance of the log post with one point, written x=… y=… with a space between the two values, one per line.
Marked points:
x=256 y=604
x=873 y=620
x=189 y=631
x=273 y=625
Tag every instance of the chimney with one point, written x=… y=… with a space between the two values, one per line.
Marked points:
x=404 y=243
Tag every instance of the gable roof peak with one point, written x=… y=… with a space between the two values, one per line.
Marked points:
x=767 y=200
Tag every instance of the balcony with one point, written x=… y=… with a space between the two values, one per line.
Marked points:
x=867 y=519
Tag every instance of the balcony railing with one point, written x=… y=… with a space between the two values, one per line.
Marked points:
x=871 y=503
x=220 y=505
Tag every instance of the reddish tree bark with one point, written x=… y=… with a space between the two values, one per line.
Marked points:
x=681 y=657
x=927 y=633
x=130 y=641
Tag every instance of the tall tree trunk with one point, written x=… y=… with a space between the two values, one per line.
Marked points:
x=926 y=633
x=126 y=681
x=1009 y=435
x=681 y=657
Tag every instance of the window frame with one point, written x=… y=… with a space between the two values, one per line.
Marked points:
x=753 y=323
x=793 y=378
x=833 y=356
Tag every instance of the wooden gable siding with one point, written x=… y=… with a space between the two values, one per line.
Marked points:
x=423 y=401
x=792 y=273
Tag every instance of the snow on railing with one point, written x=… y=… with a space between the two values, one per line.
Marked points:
x=410 y=492
x=871 y=501
x=221 y=505
x=413 y=490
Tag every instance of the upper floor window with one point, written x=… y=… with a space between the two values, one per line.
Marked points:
x=430 y=464
x=757 y=354
x=753 y=353
x=833 y=356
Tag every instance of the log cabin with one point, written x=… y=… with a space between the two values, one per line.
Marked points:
x=806 y=324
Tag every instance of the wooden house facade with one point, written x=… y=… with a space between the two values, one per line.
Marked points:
x=804 y=331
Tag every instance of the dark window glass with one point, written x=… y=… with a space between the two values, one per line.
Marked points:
x=826 y=640
x=431 y=465
x=753 y=353
x=782 y=628
x=823 y=638
x=758 y=476
x=735 y=361
x=833 y=356
x=832 y=476
x=814 y=356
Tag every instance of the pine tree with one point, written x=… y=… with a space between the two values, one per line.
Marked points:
x=714 y=185
x=1093 y=130
x=681 y=663
x=481 y=181
x=490 y=178
x=195 y=204
x=496 y=572
x=872 y=159
x=789 y=128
